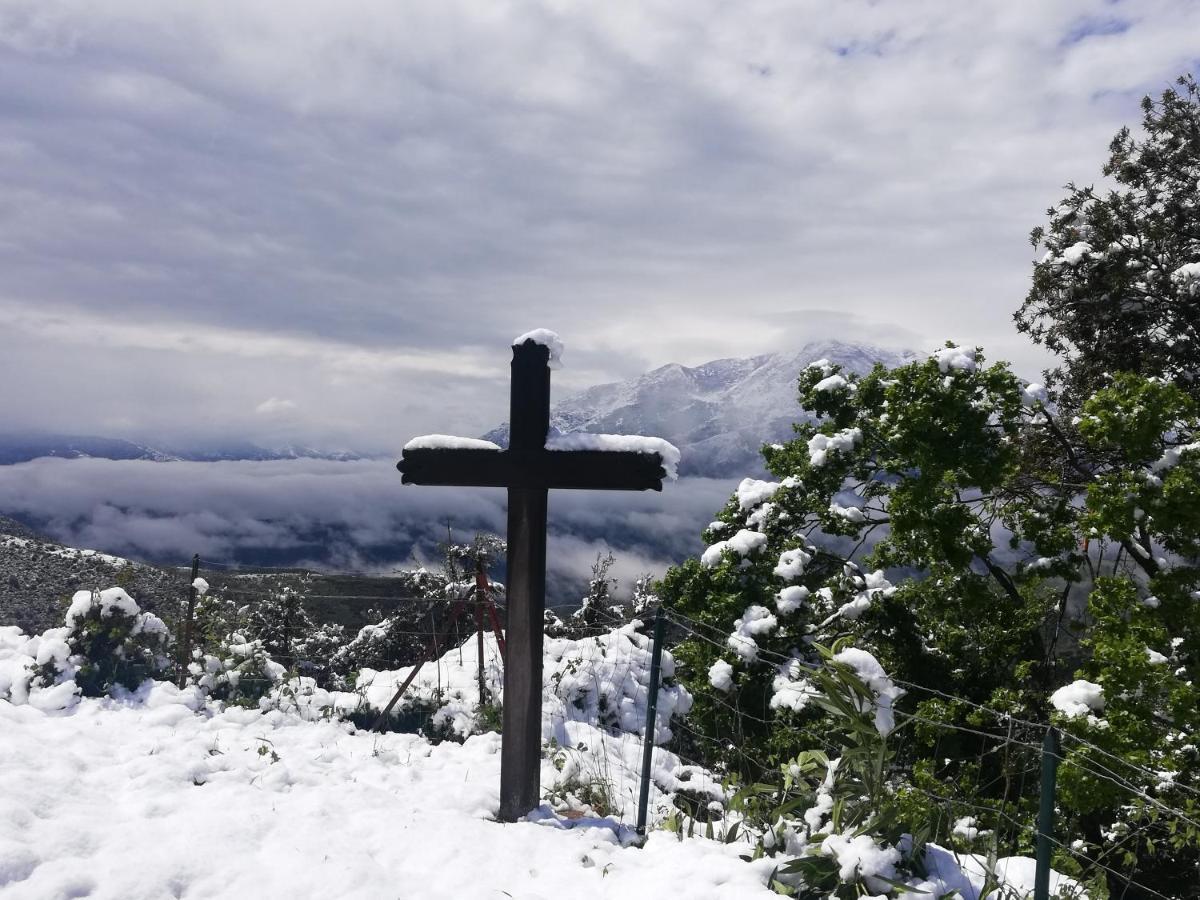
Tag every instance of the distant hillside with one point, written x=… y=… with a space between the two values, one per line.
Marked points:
x=38 y=576
x=720 y=413
x=23 y=447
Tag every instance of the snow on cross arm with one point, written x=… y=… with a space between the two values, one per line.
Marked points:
x=634 y=443
x=449 y=442
x=547 y=339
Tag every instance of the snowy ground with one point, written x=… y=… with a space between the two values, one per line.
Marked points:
x=164 y=794
x=148 y=800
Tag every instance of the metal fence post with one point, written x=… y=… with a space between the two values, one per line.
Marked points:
x=1045 y=822
x=651 y=721
x=185 y=649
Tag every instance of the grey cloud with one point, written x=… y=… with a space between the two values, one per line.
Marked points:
x=671 y=182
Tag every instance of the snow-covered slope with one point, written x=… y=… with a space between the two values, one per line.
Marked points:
x=36 y=573
x=148 y=799
x=159 y=793
x=719 y=414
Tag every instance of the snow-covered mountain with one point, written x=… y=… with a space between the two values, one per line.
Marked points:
x=720 y=413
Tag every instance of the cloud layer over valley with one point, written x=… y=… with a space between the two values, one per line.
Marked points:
x=339 y=515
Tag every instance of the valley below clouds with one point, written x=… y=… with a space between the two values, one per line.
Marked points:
x=340 y=516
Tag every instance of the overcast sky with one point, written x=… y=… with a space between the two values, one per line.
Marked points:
x=325 y=221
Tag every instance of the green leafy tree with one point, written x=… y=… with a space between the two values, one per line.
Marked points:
x=1117 y=287
x=944 y=518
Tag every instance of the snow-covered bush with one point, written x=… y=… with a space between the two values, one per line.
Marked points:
x=107 y=643
x=112 y=642
x=601 y=682
x=240 y=671
x=599 y=609
x=317 y=650
x=605 y=680
x=837 y=817
x=280 y=622
x=37 y=670
x=228 y=664
x=394 y=640
x=382 y=645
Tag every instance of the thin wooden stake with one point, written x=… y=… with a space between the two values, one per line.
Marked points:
x=457 y=611
x=481 y=597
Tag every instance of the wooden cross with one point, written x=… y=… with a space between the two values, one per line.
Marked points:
x=528 y=470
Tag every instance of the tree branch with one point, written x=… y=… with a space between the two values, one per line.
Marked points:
x=1004 y=579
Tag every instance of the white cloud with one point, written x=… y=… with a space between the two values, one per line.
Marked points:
x=274 y=406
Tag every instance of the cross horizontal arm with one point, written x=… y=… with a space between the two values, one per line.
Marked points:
x=594 y=470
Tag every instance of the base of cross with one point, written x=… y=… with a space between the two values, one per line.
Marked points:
x=529 y=471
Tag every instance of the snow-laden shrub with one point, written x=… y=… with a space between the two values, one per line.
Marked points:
x=831 y=818
x=229 y=662
x=107 y=643
x=317 y=650
x=111 y=642
x=376 y=646
x=37 y=669
x=241 y=671
x=390 y=641
x=606 y=680
x=601 y=681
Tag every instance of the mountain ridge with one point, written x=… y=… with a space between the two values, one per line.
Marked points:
x=26 y=446
x=718 y=413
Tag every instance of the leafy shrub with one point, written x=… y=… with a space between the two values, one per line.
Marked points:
x=111 y=643
x=241 y=671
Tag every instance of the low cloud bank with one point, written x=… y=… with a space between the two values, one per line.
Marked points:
x=339 y=516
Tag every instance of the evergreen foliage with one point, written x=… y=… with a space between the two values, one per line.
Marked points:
x=1017 y=556
x=1117 y=287
x=280 y=621
x=112 y=643
x=943 y=517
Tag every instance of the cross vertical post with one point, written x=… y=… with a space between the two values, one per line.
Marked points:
x=521 y=750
